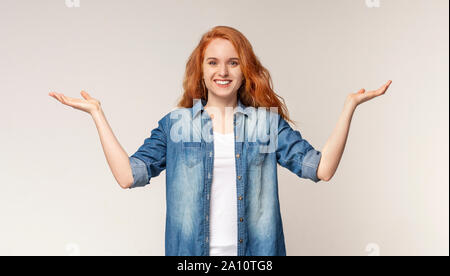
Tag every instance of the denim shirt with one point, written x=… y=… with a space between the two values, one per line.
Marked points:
x=183 y=145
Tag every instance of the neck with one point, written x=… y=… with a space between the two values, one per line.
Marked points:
x=221 y=111
x=220 y=104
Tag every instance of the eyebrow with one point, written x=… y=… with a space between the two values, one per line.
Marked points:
x=228 y=59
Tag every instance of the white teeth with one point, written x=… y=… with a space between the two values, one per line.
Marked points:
x=222 y=82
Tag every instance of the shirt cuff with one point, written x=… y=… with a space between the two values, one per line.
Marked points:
x=310 y=164
x=140 y=174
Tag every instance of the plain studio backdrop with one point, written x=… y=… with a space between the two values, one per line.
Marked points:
x=389 y=195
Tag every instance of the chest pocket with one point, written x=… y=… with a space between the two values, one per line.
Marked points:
x=254 y=155
x=192 y=153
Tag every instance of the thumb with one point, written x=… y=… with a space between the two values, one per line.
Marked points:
x=85 y=95
x=361 y=91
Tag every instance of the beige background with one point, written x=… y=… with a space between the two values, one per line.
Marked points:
x=389 y=196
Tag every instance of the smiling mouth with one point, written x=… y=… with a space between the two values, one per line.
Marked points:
x=223 y=83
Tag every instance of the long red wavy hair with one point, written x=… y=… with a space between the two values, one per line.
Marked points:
x=256 y=89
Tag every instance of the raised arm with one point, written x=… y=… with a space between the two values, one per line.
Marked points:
x=334 y=147
x=116 y=156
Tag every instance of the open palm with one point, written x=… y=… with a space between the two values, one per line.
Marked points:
x=363 y=96
x=87 y=104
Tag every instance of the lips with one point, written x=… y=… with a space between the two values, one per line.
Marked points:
x=223 y=85
x=222 y=80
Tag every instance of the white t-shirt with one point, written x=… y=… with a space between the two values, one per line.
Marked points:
x=223 y=212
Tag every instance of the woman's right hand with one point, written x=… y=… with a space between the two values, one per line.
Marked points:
x=88 y=104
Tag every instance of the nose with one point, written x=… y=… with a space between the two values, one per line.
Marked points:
x=223 y=71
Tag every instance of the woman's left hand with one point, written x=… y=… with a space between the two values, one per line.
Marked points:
x=362 y=96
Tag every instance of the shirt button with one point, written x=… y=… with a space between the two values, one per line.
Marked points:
x=206 y=239
x=241 y=240
x=237 y=155
x=240 y=198
x=241 y=219
x=206 y=217
x=239 y=177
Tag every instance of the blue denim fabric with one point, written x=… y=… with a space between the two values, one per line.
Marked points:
x=188 y=158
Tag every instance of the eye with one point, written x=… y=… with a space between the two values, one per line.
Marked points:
x=211 y=62
x=235 y=63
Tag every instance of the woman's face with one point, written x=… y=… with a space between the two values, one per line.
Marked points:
x=221 y=63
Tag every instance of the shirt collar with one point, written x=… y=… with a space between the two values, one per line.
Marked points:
x=200 y=103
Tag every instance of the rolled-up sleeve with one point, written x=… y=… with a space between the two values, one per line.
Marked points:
x=150 y=159
x=310 y=164
x=296 y=153
x=140 y=174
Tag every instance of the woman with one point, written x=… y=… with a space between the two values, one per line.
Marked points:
x=220 y=149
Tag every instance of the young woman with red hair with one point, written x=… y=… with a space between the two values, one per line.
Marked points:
x=221 y=170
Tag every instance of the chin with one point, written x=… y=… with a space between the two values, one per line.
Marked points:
x=223 y=93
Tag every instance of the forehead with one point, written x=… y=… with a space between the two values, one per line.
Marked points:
x=220 y=48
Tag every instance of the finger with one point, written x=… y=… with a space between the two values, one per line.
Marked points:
x=383 y=89
x=361 y=91
x=52 y=94
x=85 y=95
x=386 y=85
x=380 y=90
x=58 y=97
x=62 y=99
x=67 y=101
